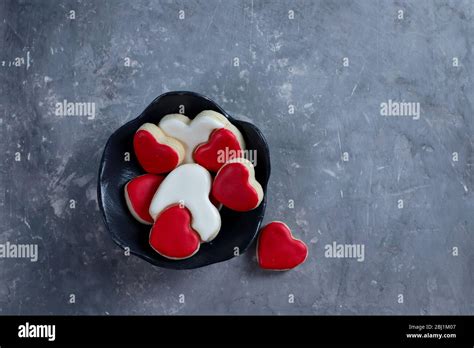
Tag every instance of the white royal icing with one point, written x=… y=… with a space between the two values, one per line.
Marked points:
x=192 y=132
x=189 y=184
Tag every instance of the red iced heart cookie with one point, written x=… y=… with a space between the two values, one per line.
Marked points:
x=138 y=194
x=277 y=249
x=156 y=152
x=172 y=235
x=222 y=146
x=235 y=186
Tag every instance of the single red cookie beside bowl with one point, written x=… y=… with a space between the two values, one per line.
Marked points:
x=278 y=250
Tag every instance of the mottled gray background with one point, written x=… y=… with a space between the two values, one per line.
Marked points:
x=282 y=62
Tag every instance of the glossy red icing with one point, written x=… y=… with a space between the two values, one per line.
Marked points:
x=232 y=188
x=153 y=156
x=172 y=235
x=221 y=147
x=140 y=191
x=278 y=250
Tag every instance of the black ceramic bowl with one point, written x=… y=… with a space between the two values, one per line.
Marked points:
x=238 y=229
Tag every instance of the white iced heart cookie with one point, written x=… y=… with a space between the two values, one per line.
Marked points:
x=189 y=184
x=191 y=133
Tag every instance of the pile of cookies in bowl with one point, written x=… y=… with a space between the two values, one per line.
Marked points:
x=195 y=172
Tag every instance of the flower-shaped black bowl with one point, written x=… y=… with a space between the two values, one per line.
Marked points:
x=238 y=229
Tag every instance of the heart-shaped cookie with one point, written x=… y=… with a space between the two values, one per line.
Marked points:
x=156 y=152
x=192 y=133
x=235 y=186
x=223 y=145
x=138 y=195
x=172 y=235
x=277 y=250
x=189 y=185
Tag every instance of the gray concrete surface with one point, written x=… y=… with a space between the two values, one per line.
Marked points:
x=423 y=251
